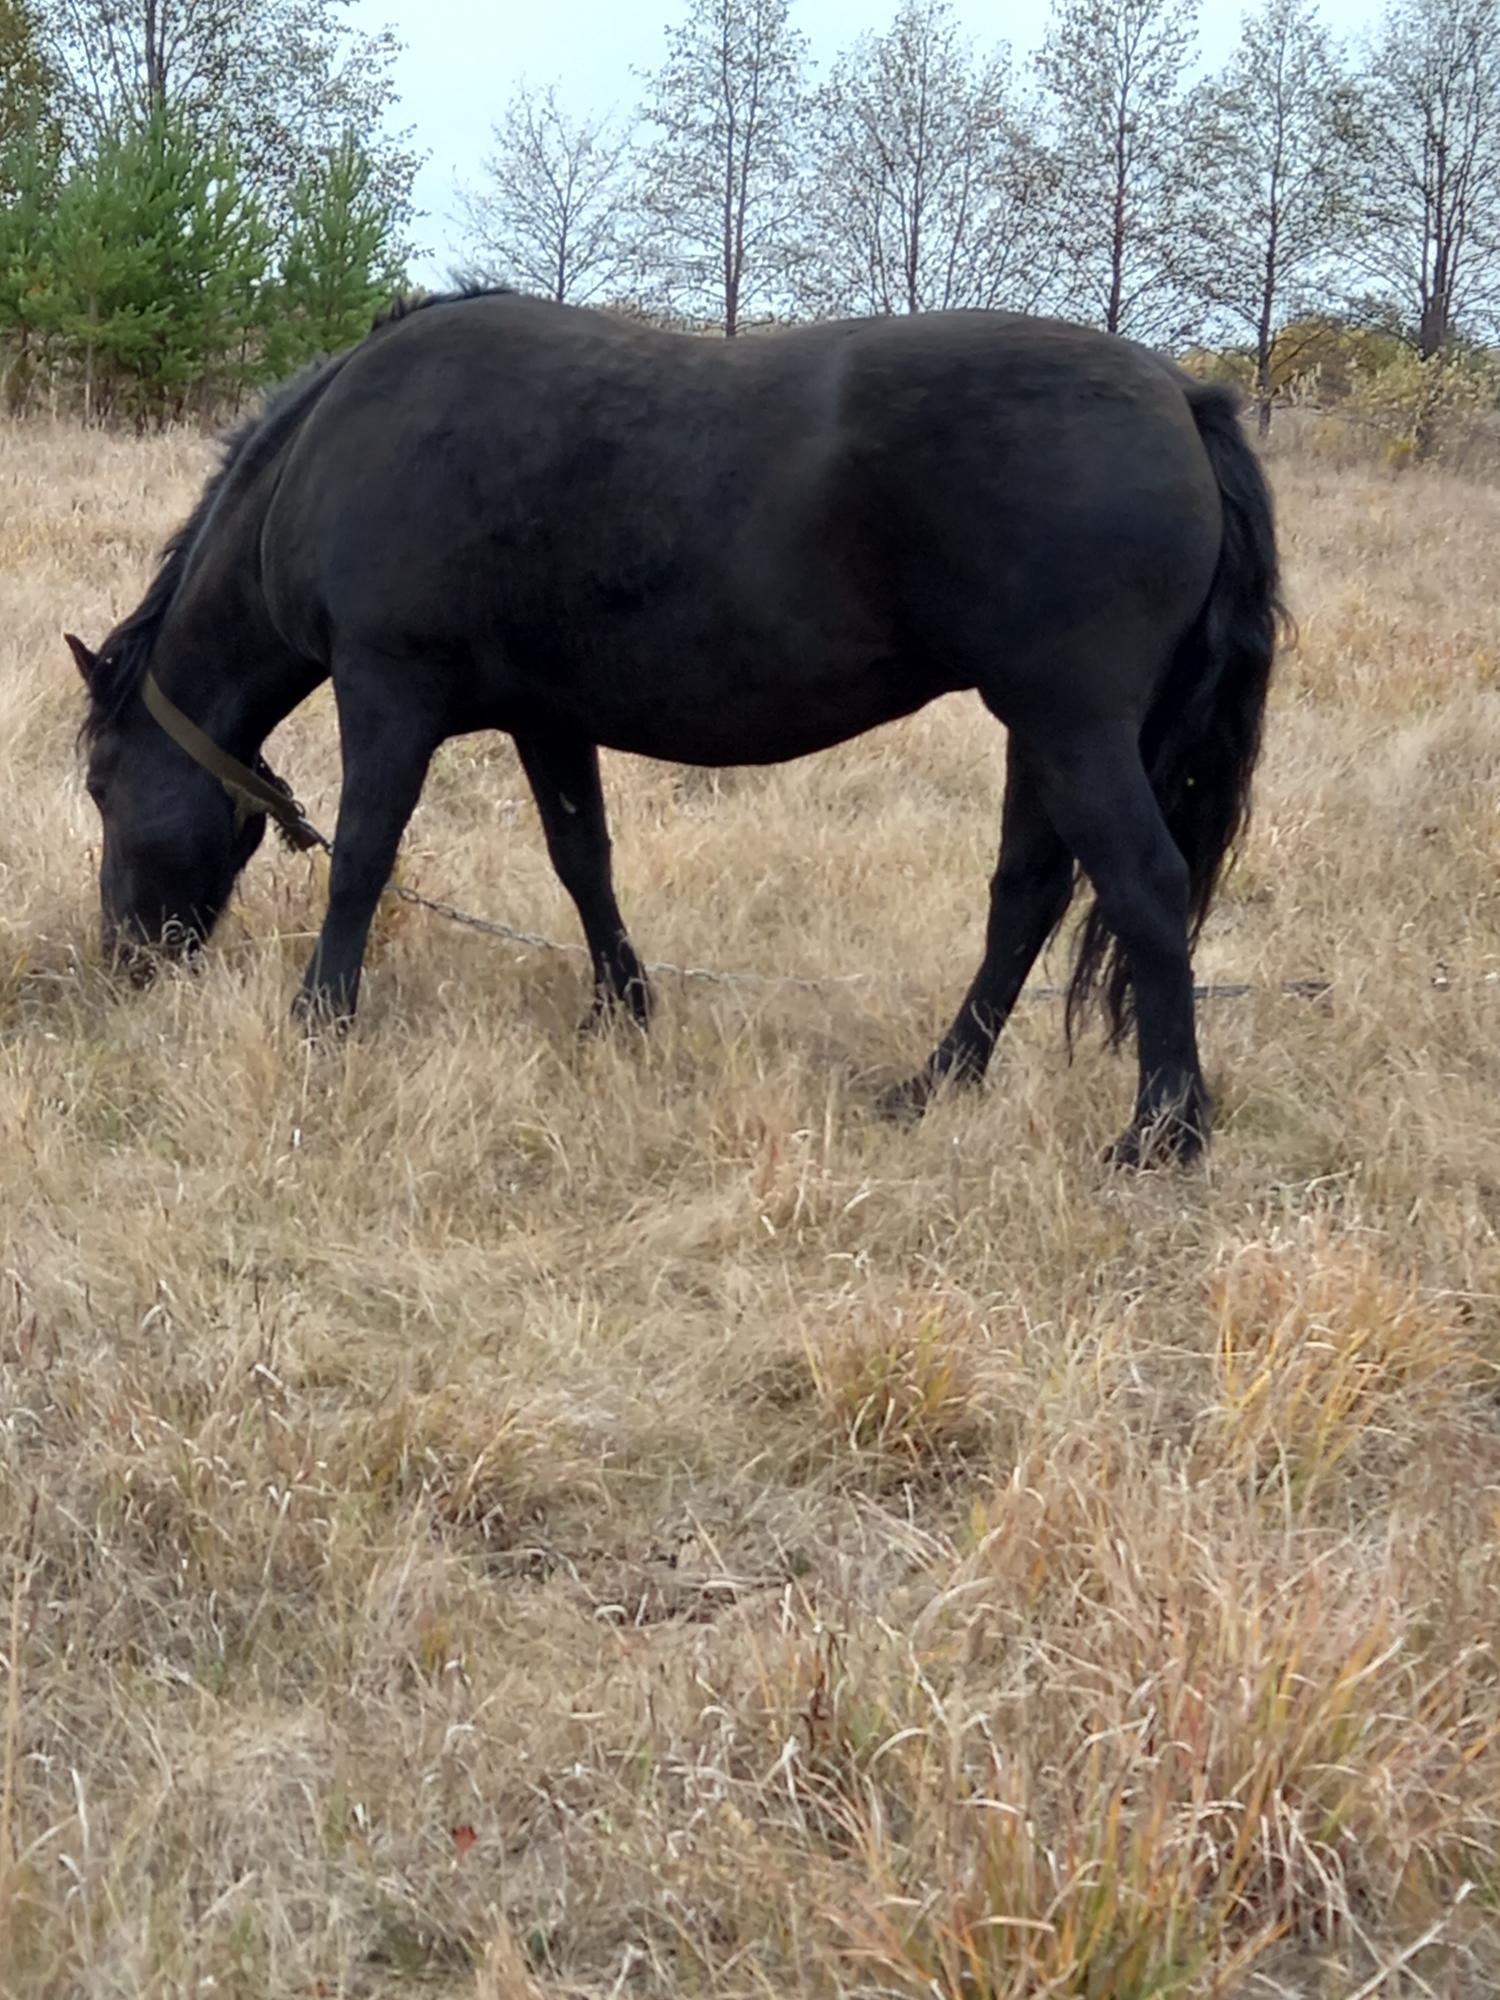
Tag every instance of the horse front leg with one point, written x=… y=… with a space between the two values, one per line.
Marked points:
x=386 y=751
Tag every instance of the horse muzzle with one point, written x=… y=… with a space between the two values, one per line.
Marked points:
x=129 y=950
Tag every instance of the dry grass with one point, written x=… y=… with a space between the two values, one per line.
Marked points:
x=487 y=1515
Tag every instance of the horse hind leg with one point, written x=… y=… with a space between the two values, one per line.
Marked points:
x=563 y=772
x=1099 y=797
x=1029 y=894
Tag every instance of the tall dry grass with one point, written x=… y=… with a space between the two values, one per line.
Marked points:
x=487 y=1515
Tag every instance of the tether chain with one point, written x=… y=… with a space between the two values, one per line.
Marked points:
x=535 y=941
x=1300 y=989
x=1304 y=989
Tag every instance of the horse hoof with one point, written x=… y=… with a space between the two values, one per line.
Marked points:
x=612 y=1011
x=904 y=1103
x=319 y=1014
x=1164 y=1142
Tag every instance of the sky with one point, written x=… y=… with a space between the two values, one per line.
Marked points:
x=464 y=57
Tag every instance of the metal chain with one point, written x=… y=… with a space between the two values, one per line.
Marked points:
x=1299 y=989
x=659 y=967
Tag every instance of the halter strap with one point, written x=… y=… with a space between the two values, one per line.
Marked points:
x=251 y=790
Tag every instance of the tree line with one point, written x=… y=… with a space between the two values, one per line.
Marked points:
x=1306 y=188
x=195 y=195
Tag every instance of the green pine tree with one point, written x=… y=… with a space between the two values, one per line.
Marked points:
x=341 y=262
x=29 y=178
x=153 y=275
x=30 y=143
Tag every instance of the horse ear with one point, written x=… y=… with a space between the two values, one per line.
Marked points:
x=83 y=659
x=86 y=661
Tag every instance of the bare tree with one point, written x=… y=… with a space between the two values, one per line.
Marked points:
x=720 y=185
x=551 y=215
x=1431 y=244
x=278 y=82
x=1272 y=177
x=931 y=188
x=1113 y=71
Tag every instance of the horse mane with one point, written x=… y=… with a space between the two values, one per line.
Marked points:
x=126 y=653
x=404 y=304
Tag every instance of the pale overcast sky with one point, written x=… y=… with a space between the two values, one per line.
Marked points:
x=463 y=58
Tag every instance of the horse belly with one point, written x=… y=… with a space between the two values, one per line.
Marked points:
x=714 y=703
x=761 y=642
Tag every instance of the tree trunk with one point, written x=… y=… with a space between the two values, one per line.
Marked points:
x=156 y=68
x=1264 y=387
x=1114 y=305
x=88 y=362
x=1264 y=335
x=1424 y=426
x=1432 y=331
x=1433 y=335
x=1119 y=227
x=731 y=276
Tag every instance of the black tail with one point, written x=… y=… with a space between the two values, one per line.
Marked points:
x=1202 y=734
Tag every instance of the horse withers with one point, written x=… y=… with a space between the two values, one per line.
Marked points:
x=500 y=513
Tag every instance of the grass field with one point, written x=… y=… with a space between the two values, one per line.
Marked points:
x=487 y=1514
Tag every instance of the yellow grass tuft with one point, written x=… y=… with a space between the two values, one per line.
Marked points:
x=892 y=1395
x=1326 y=1355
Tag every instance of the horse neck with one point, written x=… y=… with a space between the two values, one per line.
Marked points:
x=220 y=659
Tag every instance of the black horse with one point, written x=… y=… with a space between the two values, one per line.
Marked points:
x=497 y=513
